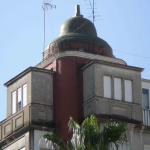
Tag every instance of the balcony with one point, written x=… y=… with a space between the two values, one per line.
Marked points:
x=146 y=117
x=112 y=90
x=33 y=115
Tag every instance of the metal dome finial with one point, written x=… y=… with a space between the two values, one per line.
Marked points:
x=77 y=11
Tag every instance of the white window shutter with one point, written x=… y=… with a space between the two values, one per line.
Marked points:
x=24 y=92
x=13 y=100
x=19 y=95
x=128 y=90
x=107 y=86
x=117 y=89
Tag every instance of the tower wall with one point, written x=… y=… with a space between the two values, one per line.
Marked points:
x=68 y=93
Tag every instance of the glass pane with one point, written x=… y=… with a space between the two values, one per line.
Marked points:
x=19 y=106
x=145 y=97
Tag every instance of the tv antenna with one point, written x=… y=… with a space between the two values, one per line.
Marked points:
x=92 y=7
x=46 y=5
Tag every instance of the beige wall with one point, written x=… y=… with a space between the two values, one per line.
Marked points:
x=89 y=82
x=42 y=88
x=39 y=89
x=13 y=87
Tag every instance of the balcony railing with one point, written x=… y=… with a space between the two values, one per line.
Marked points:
x=146 y=117
x=32 y=114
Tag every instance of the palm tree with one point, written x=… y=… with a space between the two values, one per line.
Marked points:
x=87 y=136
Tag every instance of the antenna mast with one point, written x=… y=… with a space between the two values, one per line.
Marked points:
x=93 y=12
x=45 y=6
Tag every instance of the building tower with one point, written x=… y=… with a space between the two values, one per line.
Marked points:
x=78 y=76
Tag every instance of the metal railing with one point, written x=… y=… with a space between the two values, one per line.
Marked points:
x=146 y=117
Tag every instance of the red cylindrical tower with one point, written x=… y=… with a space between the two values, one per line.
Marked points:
x=68 y=92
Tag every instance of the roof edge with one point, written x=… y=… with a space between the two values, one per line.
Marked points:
x=113 y=64
x=24 y=73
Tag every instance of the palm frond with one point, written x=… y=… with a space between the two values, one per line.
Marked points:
x=114 y=132
x=57 y=142
x=87 y=136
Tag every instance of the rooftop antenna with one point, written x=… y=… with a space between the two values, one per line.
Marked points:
x=45 y=6
x=93 y=11
x=92 y=8
x=93 y=15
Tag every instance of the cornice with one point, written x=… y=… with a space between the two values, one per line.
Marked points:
x=79 y=54
x=113 y=64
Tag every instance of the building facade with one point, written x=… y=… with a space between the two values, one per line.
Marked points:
x=79 y=76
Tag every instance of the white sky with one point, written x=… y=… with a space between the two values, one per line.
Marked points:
x=125 y=26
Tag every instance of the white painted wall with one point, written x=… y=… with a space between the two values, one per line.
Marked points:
x=146 y=85
x=146 y=147
x=37 y=135
x=18 y=145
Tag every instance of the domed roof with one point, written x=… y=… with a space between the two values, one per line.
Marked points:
x=79 y=25
x=79 y=30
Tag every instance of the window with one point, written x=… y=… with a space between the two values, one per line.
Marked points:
x=19 y=99
x=13 y=102
x=145 y=97
x=128 y=90
x=117 y=89
x=24 y=93
x=107 y=86
x=146 y=147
